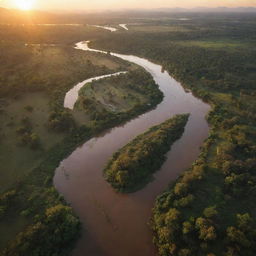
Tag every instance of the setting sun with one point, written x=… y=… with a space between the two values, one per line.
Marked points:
x=25 y=5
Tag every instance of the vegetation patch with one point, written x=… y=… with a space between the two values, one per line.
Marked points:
x=220 y=44
x=58 y=228
x=132 y=166
x=118 y=96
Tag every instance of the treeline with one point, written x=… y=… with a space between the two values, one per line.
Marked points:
x=133 y=165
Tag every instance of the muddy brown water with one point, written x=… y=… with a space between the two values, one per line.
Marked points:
x=116 y=224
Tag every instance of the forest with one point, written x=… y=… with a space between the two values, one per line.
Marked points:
x=210 y=209
x=133 y=165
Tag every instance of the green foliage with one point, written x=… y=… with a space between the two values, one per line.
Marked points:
x=61 y=121
x=134 y=164
x=210 y=212
x=26 y=134
x=205 y=229
x=54 y=230
x=6 y=201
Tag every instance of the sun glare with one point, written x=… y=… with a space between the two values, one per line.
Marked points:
x=25 y=5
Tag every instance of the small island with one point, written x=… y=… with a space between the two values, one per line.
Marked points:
x=133 y=165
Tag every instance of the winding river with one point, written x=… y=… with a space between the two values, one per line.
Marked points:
x=111 y=29
x=124 y=26
x=72 y=95
x=117 y=224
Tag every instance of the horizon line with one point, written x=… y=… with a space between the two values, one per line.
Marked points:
x=132 y=9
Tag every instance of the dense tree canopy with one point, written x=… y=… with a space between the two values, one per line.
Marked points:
x=134 y=164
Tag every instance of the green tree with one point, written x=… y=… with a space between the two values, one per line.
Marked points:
x=210 y=212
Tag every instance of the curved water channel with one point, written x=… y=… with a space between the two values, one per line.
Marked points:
x=124 y=26
x=117 y=224
x=111 y=29
x=72 y=95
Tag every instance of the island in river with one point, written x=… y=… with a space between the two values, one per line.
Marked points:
x=133 y=165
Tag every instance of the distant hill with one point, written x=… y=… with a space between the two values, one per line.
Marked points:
x=205 y=9
x=14 y=16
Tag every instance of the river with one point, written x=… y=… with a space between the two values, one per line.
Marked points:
x=72 y=95
x=117 y=224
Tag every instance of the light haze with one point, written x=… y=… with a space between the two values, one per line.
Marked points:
x=119 y=4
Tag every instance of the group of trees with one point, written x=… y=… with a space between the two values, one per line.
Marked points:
x=61 y=121
x=26 y=135
x=198 y=228
x=6 y=200
x=57 y=228
x=134 y=164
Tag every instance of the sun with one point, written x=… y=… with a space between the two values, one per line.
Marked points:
x=25 y=5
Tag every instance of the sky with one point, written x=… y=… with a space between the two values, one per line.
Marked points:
x=117 y=4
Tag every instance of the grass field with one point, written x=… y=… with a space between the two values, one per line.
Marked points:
x=17 y=160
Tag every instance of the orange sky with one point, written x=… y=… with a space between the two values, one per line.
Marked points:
x=115 y=4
